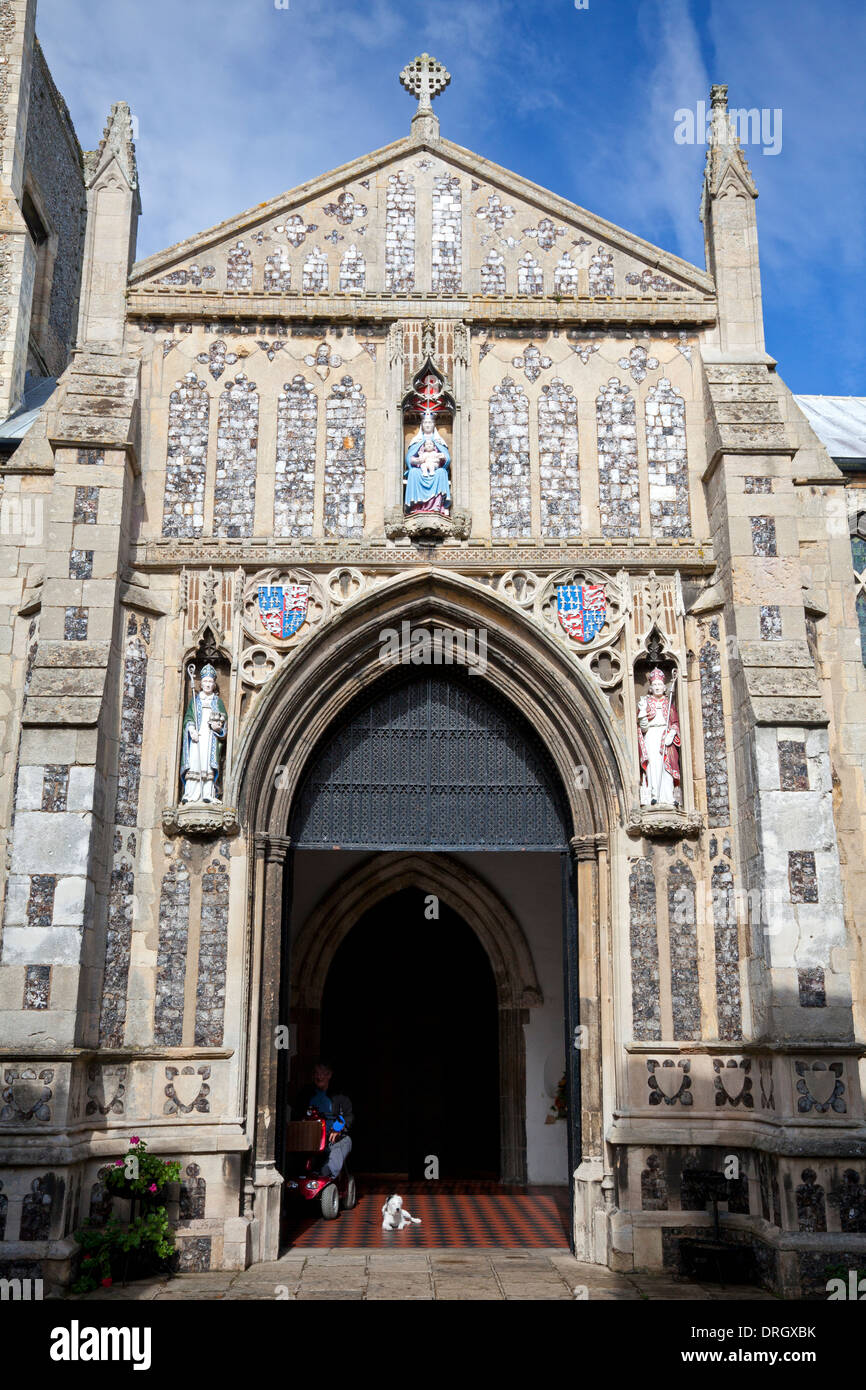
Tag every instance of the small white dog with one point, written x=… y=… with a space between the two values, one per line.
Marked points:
x=395 y=1216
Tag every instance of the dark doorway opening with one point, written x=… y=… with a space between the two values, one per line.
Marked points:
x=410 y=1020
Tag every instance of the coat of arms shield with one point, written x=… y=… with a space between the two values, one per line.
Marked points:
x=283 y=608
x=582 y=610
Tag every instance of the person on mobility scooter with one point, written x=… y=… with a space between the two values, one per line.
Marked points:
x=329 y=1182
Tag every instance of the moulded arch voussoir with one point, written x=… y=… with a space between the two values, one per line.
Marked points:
x=523 y=663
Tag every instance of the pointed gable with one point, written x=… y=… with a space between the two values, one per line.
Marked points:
x=422 y=216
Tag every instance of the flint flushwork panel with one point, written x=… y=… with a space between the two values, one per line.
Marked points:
x=345 y=452
x=118 y=947
x=400 y=234
x=667 y=461
x=646 y=1007
x=618 y=485
x=726 y=938
x=237 y=443
x=213 y=947
x=186 y=460
x=713 y=718
x=565 y=275
x=297 y=410
x=171 y=955
x=683 y=927
x=493 y=273
x=447 y=235
x=558 y=460
x=239 y=268
x=353 y=271
x=530 y=279
x=601 y=274
x=315 y=276
x=278 y=270
x=510 y=505
x=132 y=720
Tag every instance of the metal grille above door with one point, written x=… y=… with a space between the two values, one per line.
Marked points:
x=432 y=762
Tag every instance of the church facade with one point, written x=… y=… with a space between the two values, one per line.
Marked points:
x=420 y=532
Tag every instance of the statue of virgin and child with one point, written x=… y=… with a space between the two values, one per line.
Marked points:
x=428 y=464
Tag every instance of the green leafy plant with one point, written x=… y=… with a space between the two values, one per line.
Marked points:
x=146 y=1241
x=138 y=1173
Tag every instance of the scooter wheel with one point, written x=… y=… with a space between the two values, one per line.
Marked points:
x=330 y=1202
x=351 y=1198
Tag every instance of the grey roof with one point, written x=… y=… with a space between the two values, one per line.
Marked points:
x=35 y=396
x=839 y=422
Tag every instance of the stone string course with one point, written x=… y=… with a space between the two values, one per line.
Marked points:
x=447 y=235
x=237 y=442
x=297 y=410
x=400 y=234
x=558 y=460
x=186 y=459
x=345 y=459
x=510 y=505
x=618 y=485
x=667 y=461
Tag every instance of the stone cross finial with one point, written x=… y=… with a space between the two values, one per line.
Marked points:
x=425 y=78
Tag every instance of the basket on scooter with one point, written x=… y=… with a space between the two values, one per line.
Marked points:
x=310 y=1137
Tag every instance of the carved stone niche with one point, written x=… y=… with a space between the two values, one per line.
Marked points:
x=200 y=818
x=429 y=527
x=429 y=519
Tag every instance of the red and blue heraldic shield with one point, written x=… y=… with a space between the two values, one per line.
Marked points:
x=582 y=609
x=283 y=607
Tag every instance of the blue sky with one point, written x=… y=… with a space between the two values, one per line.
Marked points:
x=237 y=100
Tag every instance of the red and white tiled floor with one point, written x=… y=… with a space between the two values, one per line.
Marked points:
x=454 y=1216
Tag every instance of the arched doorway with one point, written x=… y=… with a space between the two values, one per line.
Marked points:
x=529 y=672
x=436 y=761
x=409 y=1018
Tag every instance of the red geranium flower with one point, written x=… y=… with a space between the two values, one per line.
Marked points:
x=135 y=1139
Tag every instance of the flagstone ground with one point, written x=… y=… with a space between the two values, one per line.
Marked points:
x=426 y=1275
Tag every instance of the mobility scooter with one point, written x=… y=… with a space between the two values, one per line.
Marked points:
x=307 y=1140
